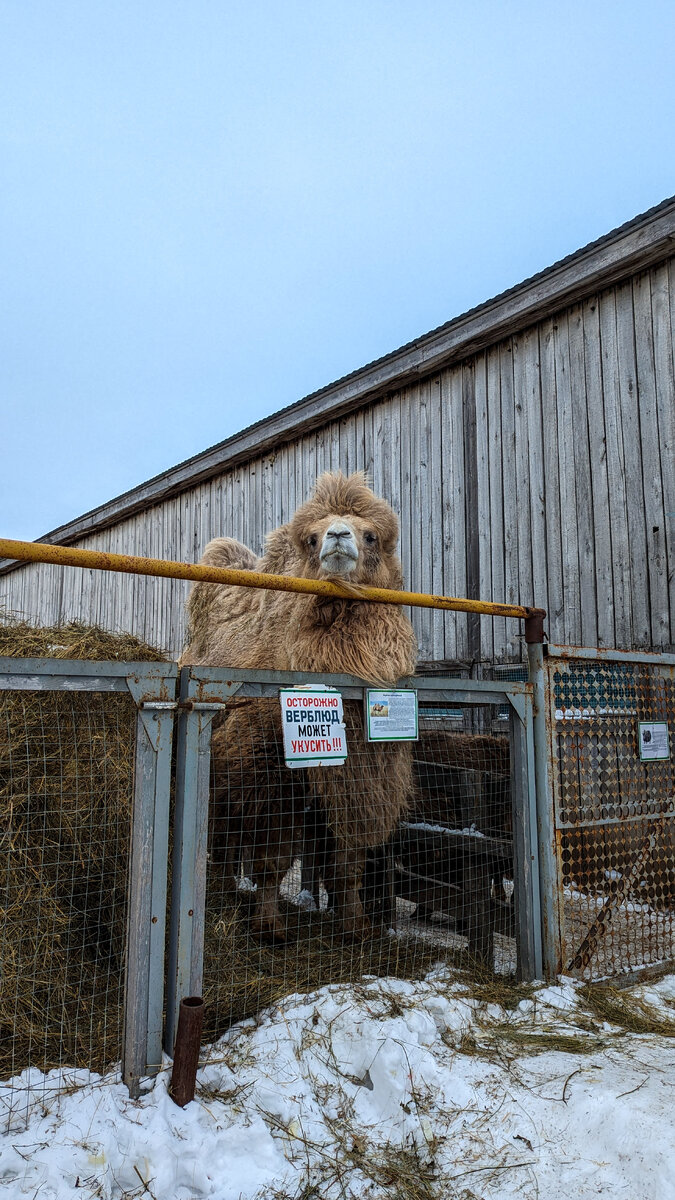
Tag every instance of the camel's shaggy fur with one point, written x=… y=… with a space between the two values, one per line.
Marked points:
x=344 y=532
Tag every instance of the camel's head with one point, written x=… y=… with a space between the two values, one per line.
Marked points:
x=345 y=532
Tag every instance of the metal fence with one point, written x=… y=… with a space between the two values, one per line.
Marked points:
x=283 y=879
x=607 y=804
x=287 y=879
x=85 y=766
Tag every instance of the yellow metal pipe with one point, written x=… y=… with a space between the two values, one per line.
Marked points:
x=99 y=560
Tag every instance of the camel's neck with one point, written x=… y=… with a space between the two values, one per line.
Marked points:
x=375 y=642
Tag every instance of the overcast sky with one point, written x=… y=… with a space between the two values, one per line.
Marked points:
x=209 y=209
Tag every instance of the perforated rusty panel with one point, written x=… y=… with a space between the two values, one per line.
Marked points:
x=614 y=816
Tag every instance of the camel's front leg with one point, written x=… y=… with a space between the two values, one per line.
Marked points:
x=343 y=883
x=272 y=857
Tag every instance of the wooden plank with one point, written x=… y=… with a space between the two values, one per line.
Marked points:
x=663 y=309
x=571 y=624
x=585 y=508
x=652 y=484
x=435 y=517
x=335 y=461
x=420 y=502
x=391 y=489
x=258 y=511
x=367 y=414
x=511 y=577
x=402 y=484
x=597 y=441
x=359 y=440
x=458 y=535
x=616 y=472
x=524 y=586
x=321 y=457
x=554 y=558
x=532 y=401
x=267 y=516
x=483 y=505
x=380 y=460
x=495 y=522
x=471 y=509
x=630 y=421
x=348 y=443
x=453 y=497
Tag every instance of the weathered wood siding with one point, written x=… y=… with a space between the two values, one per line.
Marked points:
x=542 y=470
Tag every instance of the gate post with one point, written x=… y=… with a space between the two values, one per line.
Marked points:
x=146 y=920
x=525 y=850
x=190 y=838
x=548 y=859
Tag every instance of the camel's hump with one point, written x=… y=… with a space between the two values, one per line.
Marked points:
x=228 y=552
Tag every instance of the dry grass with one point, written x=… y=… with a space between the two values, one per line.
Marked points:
x=66 y=763
x=628 y=1011
x=18 y=639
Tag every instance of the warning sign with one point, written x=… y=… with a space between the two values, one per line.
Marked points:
x=314 y=729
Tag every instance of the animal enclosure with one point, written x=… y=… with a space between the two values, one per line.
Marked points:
x=612 y=811
x=86 y=791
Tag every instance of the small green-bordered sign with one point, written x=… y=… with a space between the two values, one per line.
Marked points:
x=391 y=716
x=653 y=740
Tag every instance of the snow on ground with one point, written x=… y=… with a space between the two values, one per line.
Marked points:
x=383 y=1089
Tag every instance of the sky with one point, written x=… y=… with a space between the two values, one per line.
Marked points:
x=208 y=210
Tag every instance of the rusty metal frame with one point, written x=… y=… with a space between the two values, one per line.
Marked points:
x=542 y=660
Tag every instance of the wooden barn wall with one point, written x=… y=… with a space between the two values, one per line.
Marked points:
x=540 y=471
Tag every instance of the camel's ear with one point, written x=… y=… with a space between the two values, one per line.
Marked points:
x=386 y=524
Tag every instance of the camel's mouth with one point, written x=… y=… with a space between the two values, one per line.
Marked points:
x=339 y=561
x=339 y=551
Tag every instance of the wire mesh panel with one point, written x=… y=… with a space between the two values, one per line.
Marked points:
x=454 y=850
x=66 y=784
x=614 y=811
x=85 y=764
x=398 y=858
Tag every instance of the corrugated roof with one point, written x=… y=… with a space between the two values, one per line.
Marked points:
x=636 y=245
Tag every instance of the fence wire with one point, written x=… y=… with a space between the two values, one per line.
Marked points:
x=66 y=768
x=615 y=817
x=399 y=859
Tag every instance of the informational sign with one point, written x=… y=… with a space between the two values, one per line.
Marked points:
x=314 y=728
x=391 y=716
x=654 y=741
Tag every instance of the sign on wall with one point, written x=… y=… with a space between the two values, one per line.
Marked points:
x=313 y=723
x=653 y=740
x=391 y=716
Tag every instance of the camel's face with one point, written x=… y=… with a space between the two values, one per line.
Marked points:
x=346 y=546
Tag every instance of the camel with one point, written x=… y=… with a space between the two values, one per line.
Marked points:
x=347 y=534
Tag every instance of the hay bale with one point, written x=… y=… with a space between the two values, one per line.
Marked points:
x=66 y=765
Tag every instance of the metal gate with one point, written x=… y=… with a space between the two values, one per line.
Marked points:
x=85 y=781
x=607 y=811
x=458 y=873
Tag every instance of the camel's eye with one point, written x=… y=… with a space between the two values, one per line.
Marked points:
x=370 y=539
x=312 y=541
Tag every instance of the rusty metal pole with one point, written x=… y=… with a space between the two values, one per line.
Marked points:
x=186 y=1050
x=130 y=564
x=549 y=883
